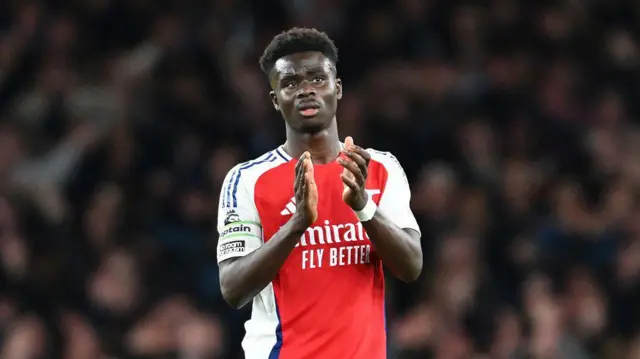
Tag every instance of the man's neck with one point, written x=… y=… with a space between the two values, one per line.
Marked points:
x=324 y=146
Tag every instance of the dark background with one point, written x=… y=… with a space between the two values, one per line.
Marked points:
x=516 y=122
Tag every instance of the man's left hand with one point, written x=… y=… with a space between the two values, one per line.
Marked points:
x=356 y=164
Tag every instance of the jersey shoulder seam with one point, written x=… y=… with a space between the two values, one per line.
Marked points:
x=386 y=158
x=245 y=171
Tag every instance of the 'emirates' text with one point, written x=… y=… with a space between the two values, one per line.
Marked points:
x=352 y=253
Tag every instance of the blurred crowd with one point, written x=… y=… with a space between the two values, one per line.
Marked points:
x=515 y=121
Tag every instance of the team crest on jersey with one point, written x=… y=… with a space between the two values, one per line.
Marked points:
x=231 y=217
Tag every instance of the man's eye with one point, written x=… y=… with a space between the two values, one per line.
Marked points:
x=290 y=85
x=318 y=80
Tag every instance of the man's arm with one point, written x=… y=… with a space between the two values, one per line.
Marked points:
x=242 y=277
x=393 y=229
x=399 y=249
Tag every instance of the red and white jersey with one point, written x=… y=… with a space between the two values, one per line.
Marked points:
x=327 y=301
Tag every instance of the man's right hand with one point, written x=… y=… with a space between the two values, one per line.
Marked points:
x=306 y=193
x=241 y=279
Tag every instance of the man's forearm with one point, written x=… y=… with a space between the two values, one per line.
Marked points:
x=243 y=278
x=399 y=249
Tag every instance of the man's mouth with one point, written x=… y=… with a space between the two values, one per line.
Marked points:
x=310 y=112
x=309 y=109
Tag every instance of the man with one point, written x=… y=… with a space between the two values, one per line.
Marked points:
x=306 y=239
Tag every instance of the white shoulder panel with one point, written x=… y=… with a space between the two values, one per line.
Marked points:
x=396 y=198
x=239 y=227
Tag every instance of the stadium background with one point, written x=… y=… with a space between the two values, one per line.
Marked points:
x=516 y=122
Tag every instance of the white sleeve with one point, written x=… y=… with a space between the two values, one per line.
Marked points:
x=396 y=198
x=239 y=228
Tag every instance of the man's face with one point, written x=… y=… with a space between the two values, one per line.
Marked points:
x=306 y=91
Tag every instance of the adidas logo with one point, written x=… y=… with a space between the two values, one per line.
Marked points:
x=290 y=208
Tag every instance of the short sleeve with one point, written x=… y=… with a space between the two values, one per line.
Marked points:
x=396 y=198
x=239 y=228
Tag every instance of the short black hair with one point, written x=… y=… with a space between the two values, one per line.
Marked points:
x=295 y=40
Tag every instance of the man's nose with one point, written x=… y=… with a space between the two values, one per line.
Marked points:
x=306 y=90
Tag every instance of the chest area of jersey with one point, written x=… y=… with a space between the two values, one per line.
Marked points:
x=337 y=237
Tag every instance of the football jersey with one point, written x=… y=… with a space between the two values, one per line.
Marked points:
x=327 y=301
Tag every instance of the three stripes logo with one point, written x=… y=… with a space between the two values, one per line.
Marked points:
x=290 y=208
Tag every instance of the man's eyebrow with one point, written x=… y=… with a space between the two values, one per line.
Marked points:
x=279 y=76
x=287 y=76
x=316 y=69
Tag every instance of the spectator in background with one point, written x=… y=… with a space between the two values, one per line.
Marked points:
x=516 y=122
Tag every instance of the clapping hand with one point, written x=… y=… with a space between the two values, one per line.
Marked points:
x=354 y=176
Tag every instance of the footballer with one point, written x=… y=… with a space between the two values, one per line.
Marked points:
x=306 y=228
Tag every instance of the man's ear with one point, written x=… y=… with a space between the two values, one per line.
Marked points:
x=338 y=89
x=274 y=100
